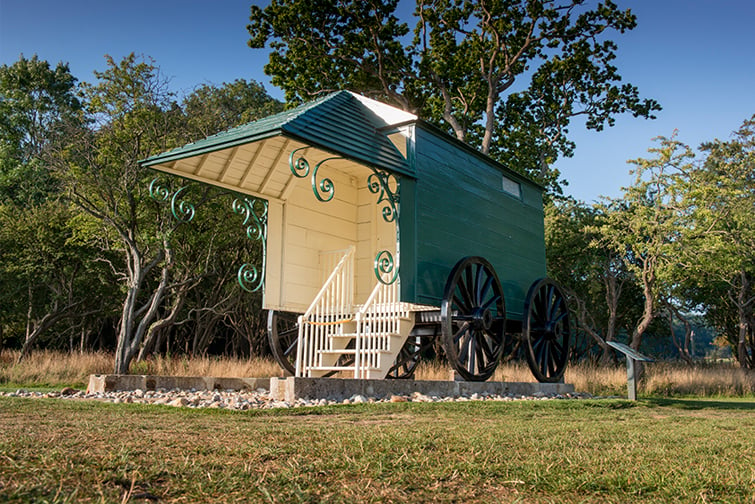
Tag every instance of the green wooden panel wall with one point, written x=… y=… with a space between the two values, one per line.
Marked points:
x=460 y=209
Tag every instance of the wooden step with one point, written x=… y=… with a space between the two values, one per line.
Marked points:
x=351 y=336
x=320 y=371
x=350 y=351
x=330 y=357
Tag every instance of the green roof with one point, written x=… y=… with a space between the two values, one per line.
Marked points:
x=340 y=123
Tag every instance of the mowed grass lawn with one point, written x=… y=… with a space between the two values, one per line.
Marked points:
x=653 y=450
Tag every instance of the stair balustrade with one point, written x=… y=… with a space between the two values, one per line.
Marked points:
x=331 y=308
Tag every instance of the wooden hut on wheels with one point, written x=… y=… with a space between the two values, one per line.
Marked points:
x=381 y=233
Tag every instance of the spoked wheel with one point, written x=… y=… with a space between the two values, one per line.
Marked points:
x=283 y=336
x=473 y=319
x=410 y=355
x=546 y=331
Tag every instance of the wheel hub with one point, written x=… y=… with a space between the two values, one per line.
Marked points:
x=550 y=330
x=482 y=319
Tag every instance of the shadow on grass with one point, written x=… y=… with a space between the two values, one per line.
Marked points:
x=698 y=404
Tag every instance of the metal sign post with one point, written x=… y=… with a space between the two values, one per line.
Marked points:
x=632 y=355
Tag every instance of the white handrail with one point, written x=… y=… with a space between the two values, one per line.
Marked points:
x=376 y=321
x=345 y=265
x=333 y=305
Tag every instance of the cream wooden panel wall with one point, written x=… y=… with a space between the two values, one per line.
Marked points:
x=374 y=235
x=309 y=227
x=302 y=228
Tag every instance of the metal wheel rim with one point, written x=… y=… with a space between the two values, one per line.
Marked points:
x=407 y=359
x=283 y=336
x=546 y=331
x=473 y=319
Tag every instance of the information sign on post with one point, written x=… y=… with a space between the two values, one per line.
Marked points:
x=632 y=355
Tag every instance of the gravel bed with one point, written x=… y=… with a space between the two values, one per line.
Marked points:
x=260 y=398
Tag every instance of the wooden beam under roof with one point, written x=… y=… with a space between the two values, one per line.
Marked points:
x=228 y=162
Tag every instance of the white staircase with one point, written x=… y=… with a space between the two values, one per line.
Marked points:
x=362 y=340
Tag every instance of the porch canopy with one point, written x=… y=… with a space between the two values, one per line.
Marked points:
x=342 y=137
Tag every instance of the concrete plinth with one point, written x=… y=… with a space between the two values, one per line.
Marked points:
x=110 y=383
x=290 y=389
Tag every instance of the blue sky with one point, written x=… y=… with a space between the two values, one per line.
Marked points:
x=696 y=57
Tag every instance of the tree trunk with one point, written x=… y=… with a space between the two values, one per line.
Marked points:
x=745 y=355
x=648 y=313
x=39 y=328
x=613 y=293
x=122 y=354
x=83 y=340
x=683 y=349
x=135 y=321
x=161 y=325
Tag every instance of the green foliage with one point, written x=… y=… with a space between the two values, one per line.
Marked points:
x=642 y=228
x=116 y=252
x=461 y=67
x=35 y=102
x=210 y=109
x=323 y=46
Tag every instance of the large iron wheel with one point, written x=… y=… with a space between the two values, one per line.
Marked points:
x=283 y=336
x=546 y=331
x=407 y=359
x=419 y=341
x=473 y=318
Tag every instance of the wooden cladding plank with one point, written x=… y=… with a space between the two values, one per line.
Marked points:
x=462 y=210
x=202 y=162
x=274 y=166
x=263 y=169
x=228 y=162
x=275 y=254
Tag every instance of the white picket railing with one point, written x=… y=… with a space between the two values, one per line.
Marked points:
x=332 y=307
x=336 y=335
x=379 y=321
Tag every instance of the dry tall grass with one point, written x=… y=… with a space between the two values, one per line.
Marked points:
x=54 y=369
x=46 y=368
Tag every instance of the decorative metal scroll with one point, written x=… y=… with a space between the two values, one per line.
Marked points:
x=384 y=264
x=254 y=212
x=324 y=190
x=379 y=182
x=182 y=210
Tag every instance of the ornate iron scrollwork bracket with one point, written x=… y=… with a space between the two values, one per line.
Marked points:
x=254 y=212
x=324 y=190
x=380 y=183
x=384 y=184
x=181 y=209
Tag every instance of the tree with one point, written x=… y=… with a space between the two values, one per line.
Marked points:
x=157 y=260
x=210 y=303
x=643 y=227
x=596 y=280
x=719 y=204
x=132 y=117
x=35 y=100
x=52 y=272
x=461 y=68
x=42 y=270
